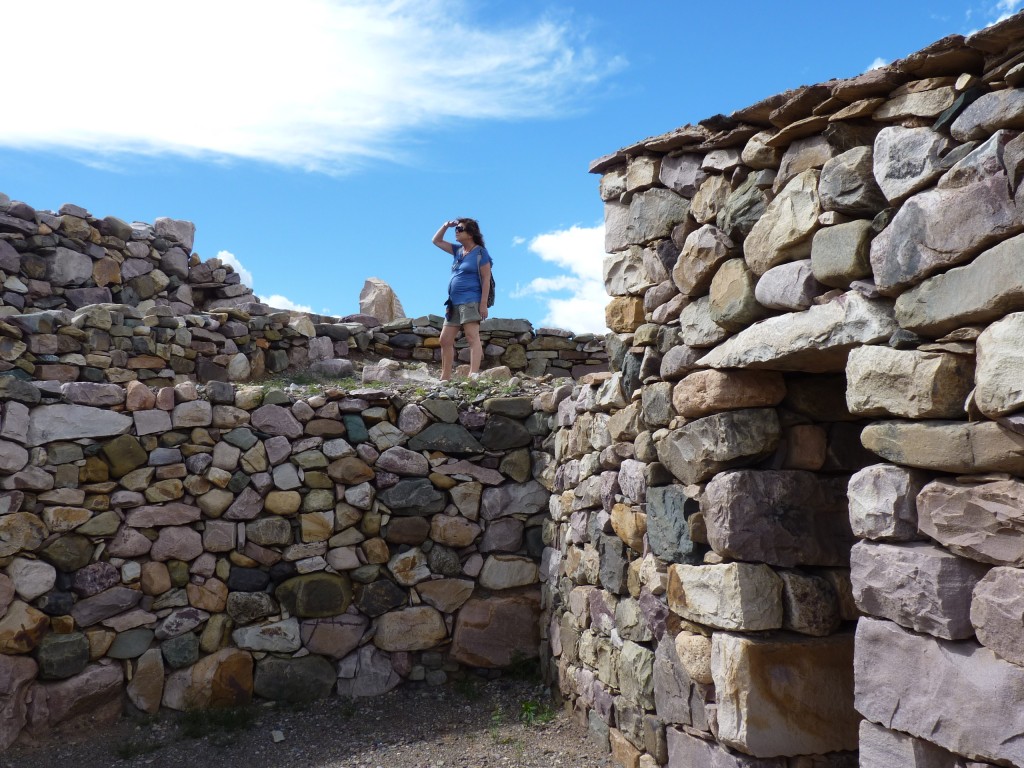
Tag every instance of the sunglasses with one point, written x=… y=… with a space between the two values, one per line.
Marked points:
x=460 y=228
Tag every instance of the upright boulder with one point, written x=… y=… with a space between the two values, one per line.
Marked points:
x=378 y=300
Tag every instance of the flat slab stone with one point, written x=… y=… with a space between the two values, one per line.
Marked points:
x=49 y=423
x=276 y=637
x=513 y=499
x=787 y=695
x=449 y=438
x=104 y=605
x=918 y=585
x=815 y=341
x=947 y=446
x=923 y=686
x=780 y=517
x=988 y=288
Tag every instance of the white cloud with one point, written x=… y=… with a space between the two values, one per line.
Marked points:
x=580 y=251
x=1008 y=6
x=321 y=84
x=229 y=258
x=876 y=64
x=277 y=301
x=517 y=240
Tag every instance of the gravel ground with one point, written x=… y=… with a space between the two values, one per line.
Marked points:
x=456 y=726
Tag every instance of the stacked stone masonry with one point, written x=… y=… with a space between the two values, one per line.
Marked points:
x=788 y=525
x=87 y=299
x=783 y=530
x=177 y=548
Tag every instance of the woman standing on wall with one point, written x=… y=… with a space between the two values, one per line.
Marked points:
x=468 y=291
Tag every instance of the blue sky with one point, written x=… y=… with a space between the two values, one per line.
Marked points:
x=324 y=144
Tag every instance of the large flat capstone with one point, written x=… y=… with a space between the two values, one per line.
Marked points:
x=815 y=340
x=48 y=423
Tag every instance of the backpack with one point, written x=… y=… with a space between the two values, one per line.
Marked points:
x=490 y=294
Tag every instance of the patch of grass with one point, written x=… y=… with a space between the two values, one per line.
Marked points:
x=497 y=720
x=197 y=723
x=533 y=713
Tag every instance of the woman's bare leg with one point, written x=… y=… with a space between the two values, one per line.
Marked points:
x=449 y=334
x=476 y=348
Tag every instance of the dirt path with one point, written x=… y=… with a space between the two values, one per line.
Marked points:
x=506 y=724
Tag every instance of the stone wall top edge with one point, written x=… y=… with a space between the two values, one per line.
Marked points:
x=952 y=55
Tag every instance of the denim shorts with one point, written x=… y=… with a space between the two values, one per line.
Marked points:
x=462 y=314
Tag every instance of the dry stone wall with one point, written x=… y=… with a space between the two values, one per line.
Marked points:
x=87 y=299
x=787 y=525
x=197 y=547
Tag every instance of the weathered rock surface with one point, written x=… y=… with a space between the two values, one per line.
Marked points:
x=908 y=383
x=410 y=629
x=906 y=160
x=783 y=233
x=791 y=287
x=917 y=585
x=883 y=502
x=848 y=184
x=366 y=672
x=73 y=422
x=668 y=532
x=685 y=750
x=983 y=521
x=704 y=447
x=378 y=299
x=840 y=254
x=948 y=225
x=1000 y=359
x=493 y=633
x=703 y=251
x=922 y=686
x=705 y=392
x=785 y=696
x=784 y=518
x=733 y=305
x=735 y=596
x=649 y=215
x=882 y=748
x=997 y=612
x=222 y=679
x=990 y=113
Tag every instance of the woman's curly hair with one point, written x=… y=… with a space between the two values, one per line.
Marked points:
x=473 y=228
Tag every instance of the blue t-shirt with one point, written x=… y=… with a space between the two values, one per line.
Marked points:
x=464 y=287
